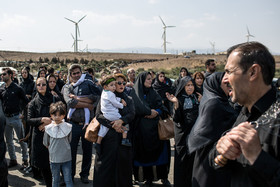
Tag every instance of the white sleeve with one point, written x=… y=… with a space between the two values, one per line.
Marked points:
x=113 y=99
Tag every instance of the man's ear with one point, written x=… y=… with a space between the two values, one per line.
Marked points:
x=255 y=71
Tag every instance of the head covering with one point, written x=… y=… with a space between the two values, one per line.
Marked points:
x=188 y=74
x=212 y=87
x=216 y=115
x=139 y=87
x=162 y=87
x=181 y=86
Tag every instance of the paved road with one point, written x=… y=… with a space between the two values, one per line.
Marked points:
x=19 y=178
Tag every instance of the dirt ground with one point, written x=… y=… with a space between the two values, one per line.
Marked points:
x=18 y=178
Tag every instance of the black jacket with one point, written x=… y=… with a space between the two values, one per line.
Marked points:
x=113 y=167
x=266 y=169
x=39 y=107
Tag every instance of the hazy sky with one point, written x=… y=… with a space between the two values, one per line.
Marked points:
x=39 y=25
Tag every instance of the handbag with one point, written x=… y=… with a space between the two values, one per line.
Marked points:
x=92 y=131
x=166 y=128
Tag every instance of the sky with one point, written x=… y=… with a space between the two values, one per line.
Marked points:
x=112 y=25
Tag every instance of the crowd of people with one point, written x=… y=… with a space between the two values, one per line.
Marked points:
x=213 y=112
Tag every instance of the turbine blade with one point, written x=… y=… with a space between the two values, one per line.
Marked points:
x=72 y=36
x=170 y=26
x=162 y=21
x=81 y=18
x=70 y=20
x=248 y=30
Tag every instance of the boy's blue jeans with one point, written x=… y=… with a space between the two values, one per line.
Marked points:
x=66 y=169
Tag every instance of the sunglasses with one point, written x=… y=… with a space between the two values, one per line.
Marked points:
x=41 y=84
x=4 y=74
x=121 y=83
x=76 y=73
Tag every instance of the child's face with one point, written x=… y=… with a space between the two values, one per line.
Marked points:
x=189 y=88
x=57 y=118
x=111 y=86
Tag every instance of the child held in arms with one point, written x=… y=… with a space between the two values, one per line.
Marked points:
x=110 y=105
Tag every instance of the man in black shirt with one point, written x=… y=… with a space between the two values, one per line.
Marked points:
x=253 y=154
x=13 y=97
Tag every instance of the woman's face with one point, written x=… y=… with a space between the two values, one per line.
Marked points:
x=161 y=77
x=189 y=88
x=198 y=81
x=148 y=81
x=52 y=82
x=183 y=73
x=24 y=74
x=41 y=86
x=120 y=85
x=42 y=74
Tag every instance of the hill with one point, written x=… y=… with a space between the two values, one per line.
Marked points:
x=194 y=62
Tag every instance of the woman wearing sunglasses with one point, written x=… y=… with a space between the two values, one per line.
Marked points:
x=38 y=117
x=113 y=166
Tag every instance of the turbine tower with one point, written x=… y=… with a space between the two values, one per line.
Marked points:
x=77 y=32
x=213 y=46
x=74 y=43
x=164 y=34
x=248 y=34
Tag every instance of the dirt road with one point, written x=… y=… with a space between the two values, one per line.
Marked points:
x=18 y=178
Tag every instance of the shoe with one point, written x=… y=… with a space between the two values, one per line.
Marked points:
x=148 y=183
x=97 y=148
x=126 y=142
x=85 y=180
x=12 y=163
x=165 y=182
x=25 y=163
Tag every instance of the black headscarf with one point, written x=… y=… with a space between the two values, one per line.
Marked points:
x=215 y=114
x=162 y=87
x=176 y=83
x=139 y=87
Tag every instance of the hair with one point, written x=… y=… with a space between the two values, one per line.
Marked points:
x=116 y=69
x=207 y=63
x=8 y=70
x=255 y=53
x=51 y=75
x=106 y=80
x=120 y=75
x=25 y=69
x=59 y=107
x=152 y=72
x=51 y=70
x=43 y=78
x=74 y=66
x=89 y=70
x=43 y=67
x=129 y=70
x=198 y=74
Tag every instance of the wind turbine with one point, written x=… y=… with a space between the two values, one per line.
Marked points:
x=74 y=43
x=248 y=34
x=164 y=34
x=77 y=31
x=213 y=46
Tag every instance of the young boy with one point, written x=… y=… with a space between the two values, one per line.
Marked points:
x=110 y=105
x=57 y=138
